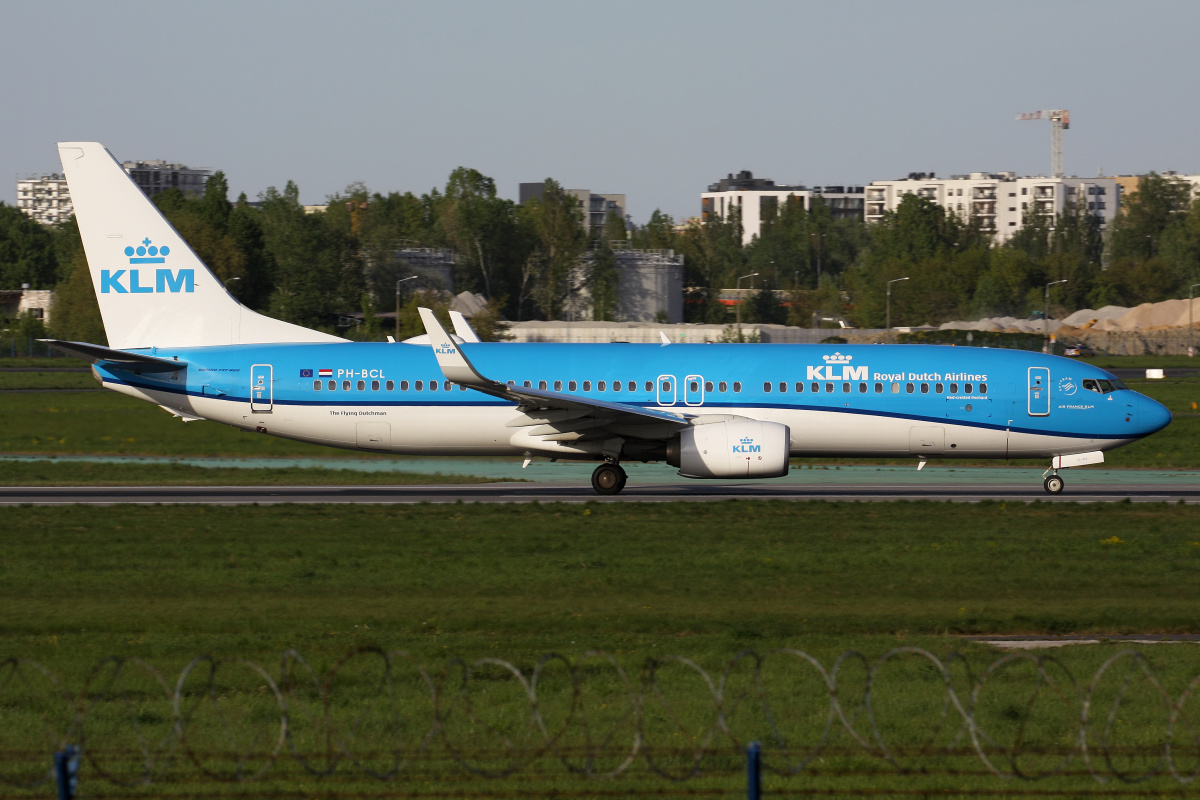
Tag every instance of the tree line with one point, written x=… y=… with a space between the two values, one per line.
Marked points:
x=529 y=259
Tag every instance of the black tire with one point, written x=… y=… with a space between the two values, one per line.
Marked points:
x=608 y=479
x=1054 y=485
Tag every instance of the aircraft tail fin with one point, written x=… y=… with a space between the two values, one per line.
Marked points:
x=153 y=290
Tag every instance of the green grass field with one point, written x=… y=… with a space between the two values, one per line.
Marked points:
x=700 y=580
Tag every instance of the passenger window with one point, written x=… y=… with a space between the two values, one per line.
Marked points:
x=829 y=387
x=542 y=385
x=695 y=386
x=390 y=386
x=374 y=386
x=317 y=385
x=632 y=386
x=908 y=387
x=816 y=387
x=447 y=385
x=937 y=388
x=528 y=385
x=895 y=387
x=362 y=385
x=879 y=388
x=572 y=386
x=967 y=388
x=723 y=386
x=862 y=388
x=332 y=385
x=845 y=388
x=616 y=386
x=737 y=386
x=983 y=388
x=419 y=385
x=558 y=386
x=924 y=388
x=462 y=388
x=782 y=386
x=666 y=386
x=345 y=386
x=954 y=388
x=404 y=386
x=799 y=386
x=649 y=386
x=433 y=386
x=600 y=386
x=708 y=386
x=767 y=387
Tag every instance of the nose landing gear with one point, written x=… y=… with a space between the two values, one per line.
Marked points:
x=609 y=479
x=1054 y=484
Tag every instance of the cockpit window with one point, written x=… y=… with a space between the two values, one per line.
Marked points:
x=1101 y=386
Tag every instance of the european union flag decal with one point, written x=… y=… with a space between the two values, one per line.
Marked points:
x=306 y=373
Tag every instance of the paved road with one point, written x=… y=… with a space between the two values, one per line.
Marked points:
x=570 y=493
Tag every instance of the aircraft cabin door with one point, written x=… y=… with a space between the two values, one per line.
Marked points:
x=1039 y=391
x=665 y=390
x=260 y=388
x=693 y=390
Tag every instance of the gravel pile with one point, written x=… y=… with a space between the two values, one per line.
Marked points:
x=1146 y=317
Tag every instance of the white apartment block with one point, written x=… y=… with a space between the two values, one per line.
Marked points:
x=999 y=200
x=759 y=200
x=48 y=200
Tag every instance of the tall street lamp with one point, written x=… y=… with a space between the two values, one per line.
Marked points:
x=818 y=237
x=402 y=280
x=739 y=302
x=1191 y=350
x=889 y=301
x=1046 y=316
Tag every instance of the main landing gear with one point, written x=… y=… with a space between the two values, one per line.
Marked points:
x=609 y=478
x=1054 y=484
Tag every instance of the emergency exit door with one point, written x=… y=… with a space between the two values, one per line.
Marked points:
x=1039 y=391
x=260 y=388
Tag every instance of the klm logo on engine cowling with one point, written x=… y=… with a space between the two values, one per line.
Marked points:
x=138 y=281
x=837 y=368
x=747 y=445
x=446 y=349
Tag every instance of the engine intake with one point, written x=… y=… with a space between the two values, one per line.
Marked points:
x=740 y=448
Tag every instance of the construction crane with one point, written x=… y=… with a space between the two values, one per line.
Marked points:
x=1060 y=120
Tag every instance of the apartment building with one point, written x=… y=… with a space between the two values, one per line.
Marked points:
x=596 y=207
x=46 y=198
x=759 y=200
x=999 y=200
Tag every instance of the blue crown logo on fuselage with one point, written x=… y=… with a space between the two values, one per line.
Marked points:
x=146 y=253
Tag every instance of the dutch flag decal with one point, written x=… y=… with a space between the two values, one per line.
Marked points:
x=326 y=373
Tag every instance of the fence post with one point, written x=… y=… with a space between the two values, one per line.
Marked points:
x=754 y=771
x=66 y=771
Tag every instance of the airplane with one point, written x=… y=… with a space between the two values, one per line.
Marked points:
x=179 y=339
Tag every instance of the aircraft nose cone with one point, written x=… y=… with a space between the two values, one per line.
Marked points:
x=1151 y=415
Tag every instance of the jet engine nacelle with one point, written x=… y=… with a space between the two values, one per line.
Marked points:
x=739 y=448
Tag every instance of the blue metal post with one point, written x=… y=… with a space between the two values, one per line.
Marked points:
x=754 y=771
x=66 y=771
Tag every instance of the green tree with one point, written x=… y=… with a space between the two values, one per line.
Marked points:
x=560 y=238
x=27 y=253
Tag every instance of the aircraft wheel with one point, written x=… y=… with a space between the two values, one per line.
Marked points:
x=608 y=479
x=1054 y=484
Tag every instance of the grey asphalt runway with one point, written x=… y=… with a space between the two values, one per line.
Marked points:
x=568 y=493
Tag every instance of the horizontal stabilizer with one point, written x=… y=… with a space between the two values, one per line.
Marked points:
x=99 y=353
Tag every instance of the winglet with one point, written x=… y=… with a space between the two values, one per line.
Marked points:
x=664 y=338
x=462 y=328
x=449 y=354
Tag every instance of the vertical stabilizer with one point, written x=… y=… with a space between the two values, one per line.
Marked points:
x=153 y=290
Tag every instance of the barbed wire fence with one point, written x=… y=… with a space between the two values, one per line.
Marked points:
x=380 y=722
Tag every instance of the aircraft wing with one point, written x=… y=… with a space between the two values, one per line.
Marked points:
x=566 y=413
x=120 y=358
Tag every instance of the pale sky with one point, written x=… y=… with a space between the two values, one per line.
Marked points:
x=652 y=99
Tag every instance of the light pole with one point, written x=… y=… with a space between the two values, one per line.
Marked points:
x=402 y=280
x=819 y=237
x=739 y=302
x=1191 y=350
x=889 y=301
x=1046 y=316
